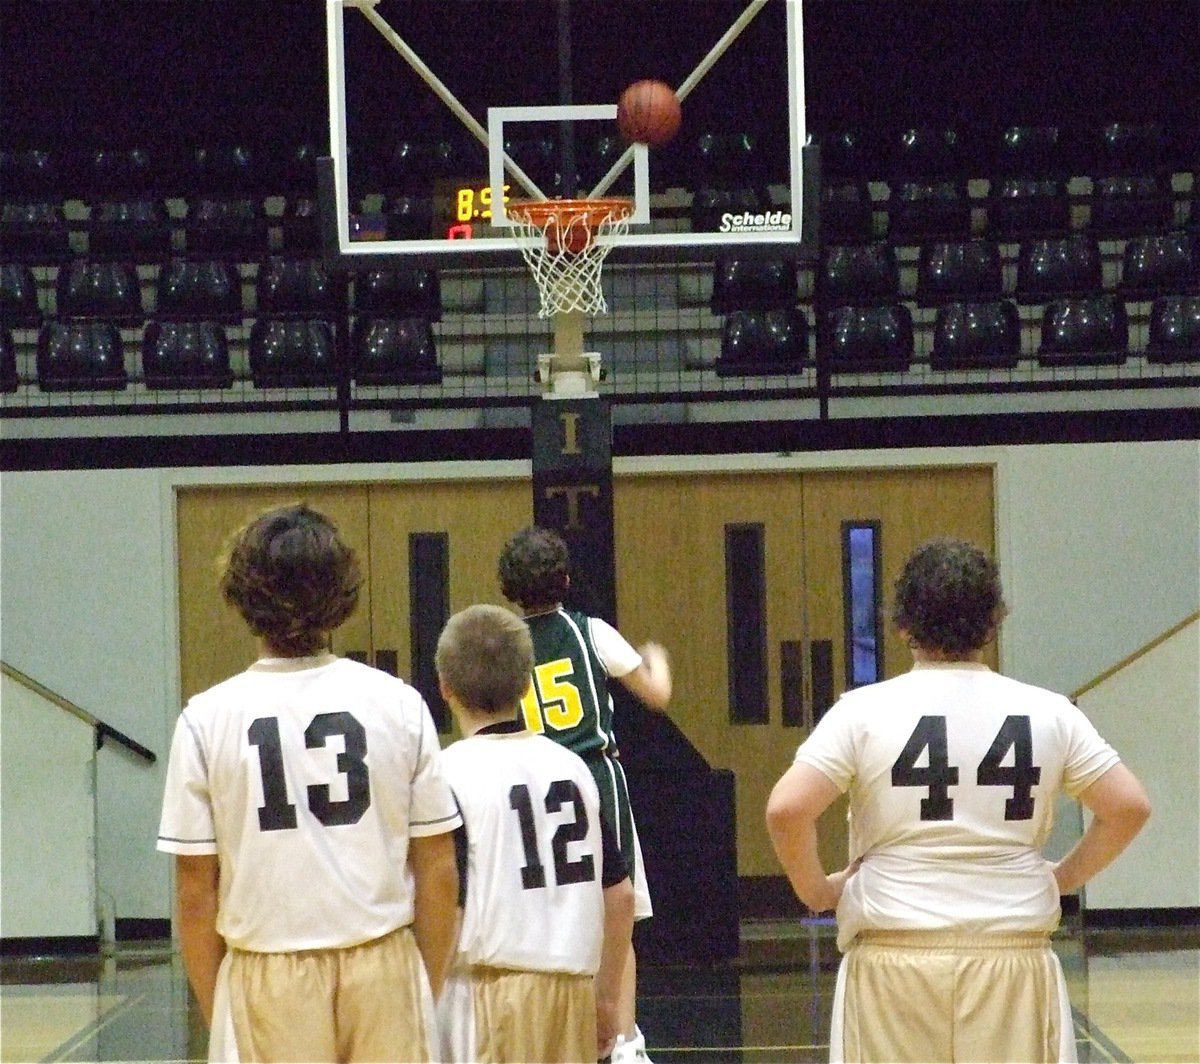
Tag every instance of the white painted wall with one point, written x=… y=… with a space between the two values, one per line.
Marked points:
x=1098 y=546
x=47 y=818
x=86 y=602
x=1160 y=684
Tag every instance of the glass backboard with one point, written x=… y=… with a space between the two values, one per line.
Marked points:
x=442 y=112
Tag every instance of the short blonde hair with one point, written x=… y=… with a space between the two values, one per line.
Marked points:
x=485 y=656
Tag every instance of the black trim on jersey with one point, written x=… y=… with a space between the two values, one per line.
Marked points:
x=460 y=853
x=503 y=727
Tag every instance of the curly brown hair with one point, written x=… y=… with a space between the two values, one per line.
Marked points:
x=485 y=656
x=948 y=599
x=290 y=576
x=534 y=568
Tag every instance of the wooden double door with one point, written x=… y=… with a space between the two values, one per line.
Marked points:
x=377 y=520
x=672 y=586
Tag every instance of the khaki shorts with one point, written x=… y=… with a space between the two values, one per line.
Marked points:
x=930 y=996
x=365 y=1003
x=501 y=1016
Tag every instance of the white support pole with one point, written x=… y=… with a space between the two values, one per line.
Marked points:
x=686 y=86
x=446 y=96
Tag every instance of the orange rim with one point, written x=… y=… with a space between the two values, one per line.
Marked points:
x=543 y=213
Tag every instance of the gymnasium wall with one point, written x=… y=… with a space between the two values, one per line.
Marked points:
x=47 y=818
x=1098 y=546
x=1159 y=683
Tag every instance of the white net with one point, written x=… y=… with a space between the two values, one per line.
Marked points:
x=559 y=244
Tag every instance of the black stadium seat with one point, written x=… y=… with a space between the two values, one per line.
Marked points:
x=186 y=354
x=976 y=335
x=80 y=356
x=868 y=339
x=394 y=351
x=1084 y=331
x=764 y=341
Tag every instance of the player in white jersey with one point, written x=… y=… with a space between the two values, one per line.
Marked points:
x=575 y=656
x=945 y=909
x=547 y=901
x=315 y=873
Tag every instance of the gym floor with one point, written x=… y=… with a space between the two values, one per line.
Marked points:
x=1135 y=994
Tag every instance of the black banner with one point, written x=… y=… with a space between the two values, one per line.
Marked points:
x=573 y=494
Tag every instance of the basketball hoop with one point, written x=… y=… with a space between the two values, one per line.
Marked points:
x=560 y=246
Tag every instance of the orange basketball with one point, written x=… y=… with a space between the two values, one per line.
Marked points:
x=648 y=112
x=572 y=239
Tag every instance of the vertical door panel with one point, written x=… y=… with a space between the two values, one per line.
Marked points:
x=670 y=536
x=670 y=541
x=477 y=516
x=911 y=506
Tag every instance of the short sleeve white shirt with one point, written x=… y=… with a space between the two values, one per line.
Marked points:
x=307 y=777
x=953 y=772
x=534 y=898
x=615 y=652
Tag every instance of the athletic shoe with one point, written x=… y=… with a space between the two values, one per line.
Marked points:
x=631 y=1050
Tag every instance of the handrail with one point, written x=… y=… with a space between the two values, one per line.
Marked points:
x=103 y=729
x=1126 y=662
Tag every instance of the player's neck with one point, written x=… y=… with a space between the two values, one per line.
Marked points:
x=471 y=723
x=270 y=651
x=534 y=611
x=923 y=656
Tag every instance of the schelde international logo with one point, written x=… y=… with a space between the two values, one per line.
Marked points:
x=749 y=222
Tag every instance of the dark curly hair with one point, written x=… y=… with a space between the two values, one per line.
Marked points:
x=485 y=656
x=534 y=568
x=292 y=579
x=948 y=599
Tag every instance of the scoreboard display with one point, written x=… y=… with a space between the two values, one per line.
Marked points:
x=462 y=209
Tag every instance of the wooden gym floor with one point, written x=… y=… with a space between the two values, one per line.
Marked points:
x=1135 y=995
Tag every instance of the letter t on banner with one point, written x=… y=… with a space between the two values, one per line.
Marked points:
x=572 y=493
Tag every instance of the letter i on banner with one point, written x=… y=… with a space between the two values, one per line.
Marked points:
x=572 y=493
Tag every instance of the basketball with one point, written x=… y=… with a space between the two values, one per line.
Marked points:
x=648 y=112
x=571 y=238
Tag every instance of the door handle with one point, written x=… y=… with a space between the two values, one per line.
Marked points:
x=821 y=666
x=791 y=682
x=387 y=661
x=357 y=655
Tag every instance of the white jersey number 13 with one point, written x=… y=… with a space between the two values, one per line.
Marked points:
x=279 y=814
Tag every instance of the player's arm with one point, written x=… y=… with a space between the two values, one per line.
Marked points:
x=802 y=794
x=1119 y=806
x=435 y=902
x=196 y=895
x=650 y=682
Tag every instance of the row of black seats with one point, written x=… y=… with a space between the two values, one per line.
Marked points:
x=1037 y=150
x=1166 y=264
x=38 y=230
x=1016 y=209
x=177 y=355
x=184 y=288
x=966 y=335
x=301 y=352
x=1161 y=264
x=412 y=158
x=90 y=355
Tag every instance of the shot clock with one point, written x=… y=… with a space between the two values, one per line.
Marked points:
x=463 y=209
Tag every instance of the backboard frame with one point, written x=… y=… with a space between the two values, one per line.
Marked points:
x=795 y=234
